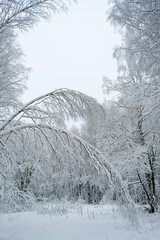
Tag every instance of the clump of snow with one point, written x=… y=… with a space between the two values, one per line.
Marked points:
x=80 y=222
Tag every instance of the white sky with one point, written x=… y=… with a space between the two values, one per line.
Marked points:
x=73 y=51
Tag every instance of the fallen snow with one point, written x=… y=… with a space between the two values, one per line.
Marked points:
x=80 y=223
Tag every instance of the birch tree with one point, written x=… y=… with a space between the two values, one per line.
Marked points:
x=137 y=89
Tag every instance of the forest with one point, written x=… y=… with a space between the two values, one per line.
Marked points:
x=115 y=155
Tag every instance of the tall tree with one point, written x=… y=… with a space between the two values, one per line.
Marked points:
x=138 y=83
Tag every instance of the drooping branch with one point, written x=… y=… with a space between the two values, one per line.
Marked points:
x=56 y=106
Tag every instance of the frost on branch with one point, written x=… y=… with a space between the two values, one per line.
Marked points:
x=25 y=13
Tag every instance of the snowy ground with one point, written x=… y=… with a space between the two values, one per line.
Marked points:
x=80 y=223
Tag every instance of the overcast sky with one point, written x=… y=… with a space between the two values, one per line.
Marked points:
x=73 y=51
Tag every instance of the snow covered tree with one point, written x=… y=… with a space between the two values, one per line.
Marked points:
x=136 y=89
x=27 y=147
x=141 y=19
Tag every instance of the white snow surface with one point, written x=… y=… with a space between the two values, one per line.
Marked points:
x=102 y=222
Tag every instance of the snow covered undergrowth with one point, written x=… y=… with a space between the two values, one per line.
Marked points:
x=80 y=223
